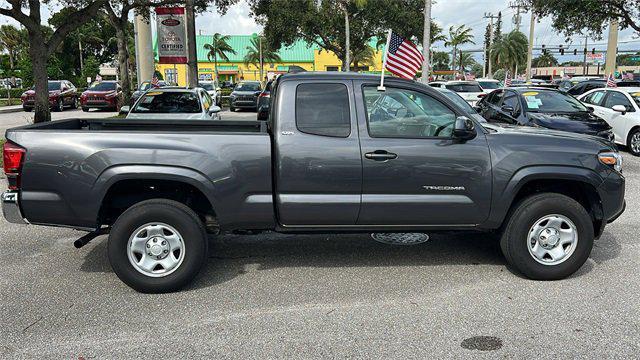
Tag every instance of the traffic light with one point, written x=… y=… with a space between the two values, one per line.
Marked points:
x=585 y=51
x=561 y=50
x=575 y=51
x=593 y=51
x=544 y=51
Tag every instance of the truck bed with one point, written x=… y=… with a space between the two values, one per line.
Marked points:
x=149 y=124
x=70 y=166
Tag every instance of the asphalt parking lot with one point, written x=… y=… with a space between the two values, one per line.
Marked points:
x=310 y=296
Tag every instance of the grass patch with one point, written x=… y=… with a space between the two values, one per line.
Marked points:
x=5 y=102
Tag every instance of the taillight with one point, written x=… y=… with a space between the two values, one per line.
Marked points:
x=480 y=96
x=12 y=157
x=264 y=94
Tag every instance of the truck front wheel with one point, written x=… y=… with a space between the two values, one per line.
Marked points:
x=547 y=237
x=157 y=246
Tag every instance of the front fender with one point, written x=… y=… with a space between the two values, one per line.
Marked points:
x=505 y=192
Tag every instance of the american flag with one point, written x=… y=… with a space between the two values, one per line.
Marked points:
x=507 y=79
x=403 y=58
x=154 y=81
x=611 y=82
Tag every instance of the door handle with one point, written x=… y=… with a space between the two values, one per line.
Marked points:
x=380 y=155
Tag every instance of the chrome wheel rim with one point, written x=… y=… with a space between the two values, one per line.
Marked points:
x=552 y=239
x=60 y=105
x=635 y=142
x=155 y=249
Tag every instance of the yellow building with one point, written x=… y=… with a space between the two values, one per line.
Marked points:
x=308 y=57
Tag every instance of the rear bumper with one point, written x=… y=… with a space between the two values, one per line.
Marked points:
x=11 y=208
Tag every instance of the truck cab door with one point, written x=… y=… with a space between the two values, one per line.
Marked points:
x=415 y=172
x=317 y=165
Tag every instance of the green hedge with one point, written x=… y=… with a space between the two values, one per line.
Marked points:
x=15 y=93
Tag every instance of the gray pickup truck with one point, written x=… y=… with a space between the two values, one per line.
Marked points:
x=336 y=155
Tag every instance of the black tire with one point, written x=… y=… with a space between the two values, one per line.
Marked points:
x=27 y=109
x=74 y=104
x=172 y=213
x=632 y=133
x=232 y=109
x=514 y=239
x=59 y=105
x=85 y=109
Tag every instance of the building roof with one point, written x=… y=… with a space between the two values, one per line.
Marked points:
x=300 y=51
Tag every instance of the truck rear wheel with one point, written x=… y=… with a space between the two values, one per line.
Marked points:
x=157 y=246
x=547 y=237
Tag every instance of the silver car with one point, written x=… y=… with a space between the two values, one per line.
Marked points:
x=172 y=104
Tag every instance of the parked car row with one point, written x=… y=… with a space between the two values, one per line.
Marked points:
x=62 y=94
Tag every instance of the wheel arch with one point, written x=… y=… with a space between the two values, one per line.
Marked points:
x=120 y=187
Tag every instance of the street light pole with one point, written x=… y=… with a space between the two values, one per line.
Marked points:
x=426 y=41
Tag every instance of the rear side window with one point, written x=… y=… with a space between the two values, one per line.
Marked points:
x=323 y=109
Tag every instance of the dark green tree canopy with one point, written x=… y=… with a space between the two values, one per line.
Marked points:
x=576 y=16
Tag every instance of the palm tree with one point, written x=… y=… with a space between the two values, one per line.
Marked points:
x=219 y=48
x=440 y=60
x=10 y=39
x=510 y=51
x=465 y=59
x=259 y=52
x=545 y=59
x=458 y=36
x=363 y=56
x=435 y=34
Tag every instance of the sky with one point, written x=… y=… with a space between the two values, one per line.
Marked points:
x=446 y=13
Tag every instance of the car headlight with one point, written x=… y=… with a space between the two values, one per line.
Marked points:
x=611 y=158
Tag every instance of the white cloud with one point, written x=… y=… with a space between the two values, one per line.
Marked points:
x=237 y=21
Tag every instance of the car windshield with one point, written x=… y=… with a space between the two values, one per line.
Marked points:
x=491 y=85
x=207 y=86
x=248 y=87
x=636 y=97
x=551 y=102
x=103 y=86
x=145 y=86
x=54 y=85
x=459 y=101
x=158 y=102
x=464 y=88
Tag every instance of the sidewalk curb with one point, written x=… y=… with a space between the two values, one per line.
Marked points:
x=11 y=110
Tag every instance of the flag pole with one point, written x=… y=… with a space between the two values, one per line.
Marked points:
x=384 y=62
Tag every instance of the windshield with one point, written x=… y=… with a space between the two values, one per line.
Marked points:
x=158 y=102
x=490 y=85
x=54 y=85
x=207 y=86
x=103 y=86
x=552 y=102
x=464 y=88
x=247 y=87
x=636 y=97
x=459 y=101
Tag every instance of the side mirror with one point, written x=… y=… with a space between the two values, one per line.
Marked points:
x=257 y=93
x=619 y=108
x=218 y=88
x=507 y=109
x=124 y=110
x=64 y=88
x=591 y=109
x=214 y=109
x=464 y=129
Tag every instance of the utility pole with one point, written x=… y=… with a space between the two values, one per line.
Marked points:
x=517 y=18
x=612 y=46
x=530 y=51
x=585 y=68
x=490 y=16
x=260 y=50
x=192 y=60
x=426 y=41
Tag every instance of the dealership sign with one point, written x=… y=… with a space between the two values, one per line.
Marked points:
x=172 y=39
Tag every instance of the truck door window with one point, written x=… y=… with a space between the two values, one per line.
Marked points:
x=406 y=113
x=323 y=109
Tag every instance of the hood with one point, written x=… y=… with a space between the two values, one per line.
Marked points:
x=534 y=132
x=33 y=92
x=578 y=122
x=172 y=116
x=470 y=96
